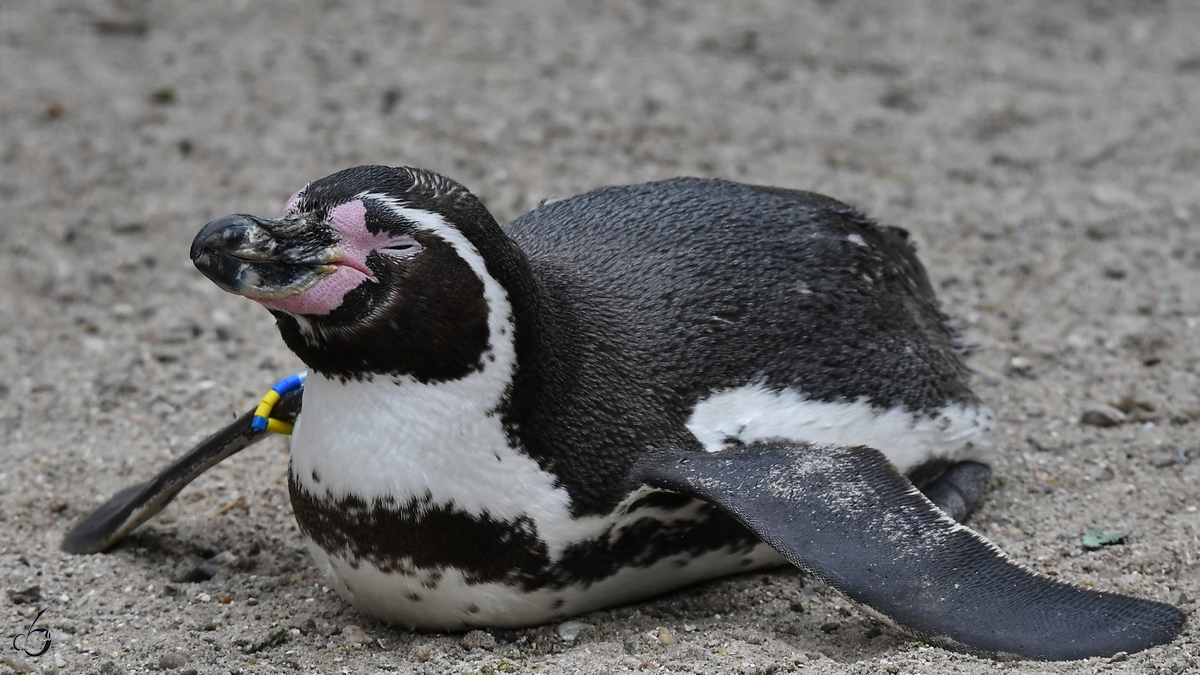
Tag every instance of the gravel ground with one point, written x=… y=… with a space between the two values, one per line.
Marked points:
x=1046 y=157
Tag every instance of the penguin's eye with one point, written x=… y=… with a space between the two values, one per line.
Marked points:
x=401 y=247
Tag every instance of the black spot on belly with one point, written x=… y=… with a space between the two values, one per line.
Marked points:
x=315 y=477
x=418 y=535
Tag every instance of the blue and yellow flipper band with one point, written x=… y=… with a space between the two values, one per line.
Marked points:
x=262 y=415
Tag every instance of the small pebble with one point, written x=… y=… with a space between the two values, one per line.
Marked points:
x=1175 y=459
x=314 y=626
x=830 y=627
x=875 y=632
x=665 y=637
x=172 y=660
x=31 y=594
x=1118 y=657
x=1019 y=365
x=111 y=668
x=354 y=636
x=570 y=631
x=479 y=639
x=1102 y=416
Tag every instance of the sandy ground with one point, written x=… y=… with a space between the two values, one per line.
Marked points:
x=1046 y=156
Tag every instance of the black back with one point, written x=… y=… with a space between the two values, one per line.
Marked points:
x=656 y=295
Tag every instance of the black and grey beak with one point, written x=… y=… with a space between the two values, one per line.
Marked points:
x=265 y=259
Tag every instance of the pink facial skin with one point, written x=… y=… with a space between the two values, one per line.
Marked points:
x=350 y=261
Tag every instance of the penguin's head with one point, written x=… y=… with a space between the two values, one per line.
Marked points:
x=370 y=270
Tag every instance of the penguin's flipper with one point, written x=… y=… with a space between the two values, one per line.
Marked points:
x=136 y=504
x=846 y=516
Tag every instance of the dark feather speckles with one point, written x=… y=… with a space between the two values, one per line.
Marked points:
x=316 y=478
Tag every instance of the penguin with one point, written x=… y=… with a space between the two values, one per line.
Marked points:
x=619 y=394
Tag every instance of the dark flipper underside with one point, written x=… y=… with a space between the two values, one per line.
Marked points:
x=135 y=505
x=848 y=517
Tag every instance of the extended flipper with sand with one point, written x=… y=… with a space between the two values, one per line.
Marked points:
x=846 y=516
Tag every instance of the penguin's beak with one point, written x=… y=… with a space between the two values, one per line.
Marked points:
x=265 y=259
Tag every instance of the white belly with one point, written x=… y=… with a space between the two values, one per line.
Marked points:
x=387 y=440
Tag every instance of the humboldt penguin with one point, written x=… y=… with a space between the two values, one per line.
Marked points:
x=619 y=394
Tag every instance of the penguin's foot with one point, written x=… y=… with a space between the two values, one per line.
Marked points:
x=957 y=491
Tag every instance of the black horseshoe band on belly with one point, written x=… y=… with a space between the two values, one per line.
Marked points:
x=420 y=535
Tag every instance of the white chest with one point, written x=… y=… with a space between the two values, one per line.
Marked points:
x=397 y=439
